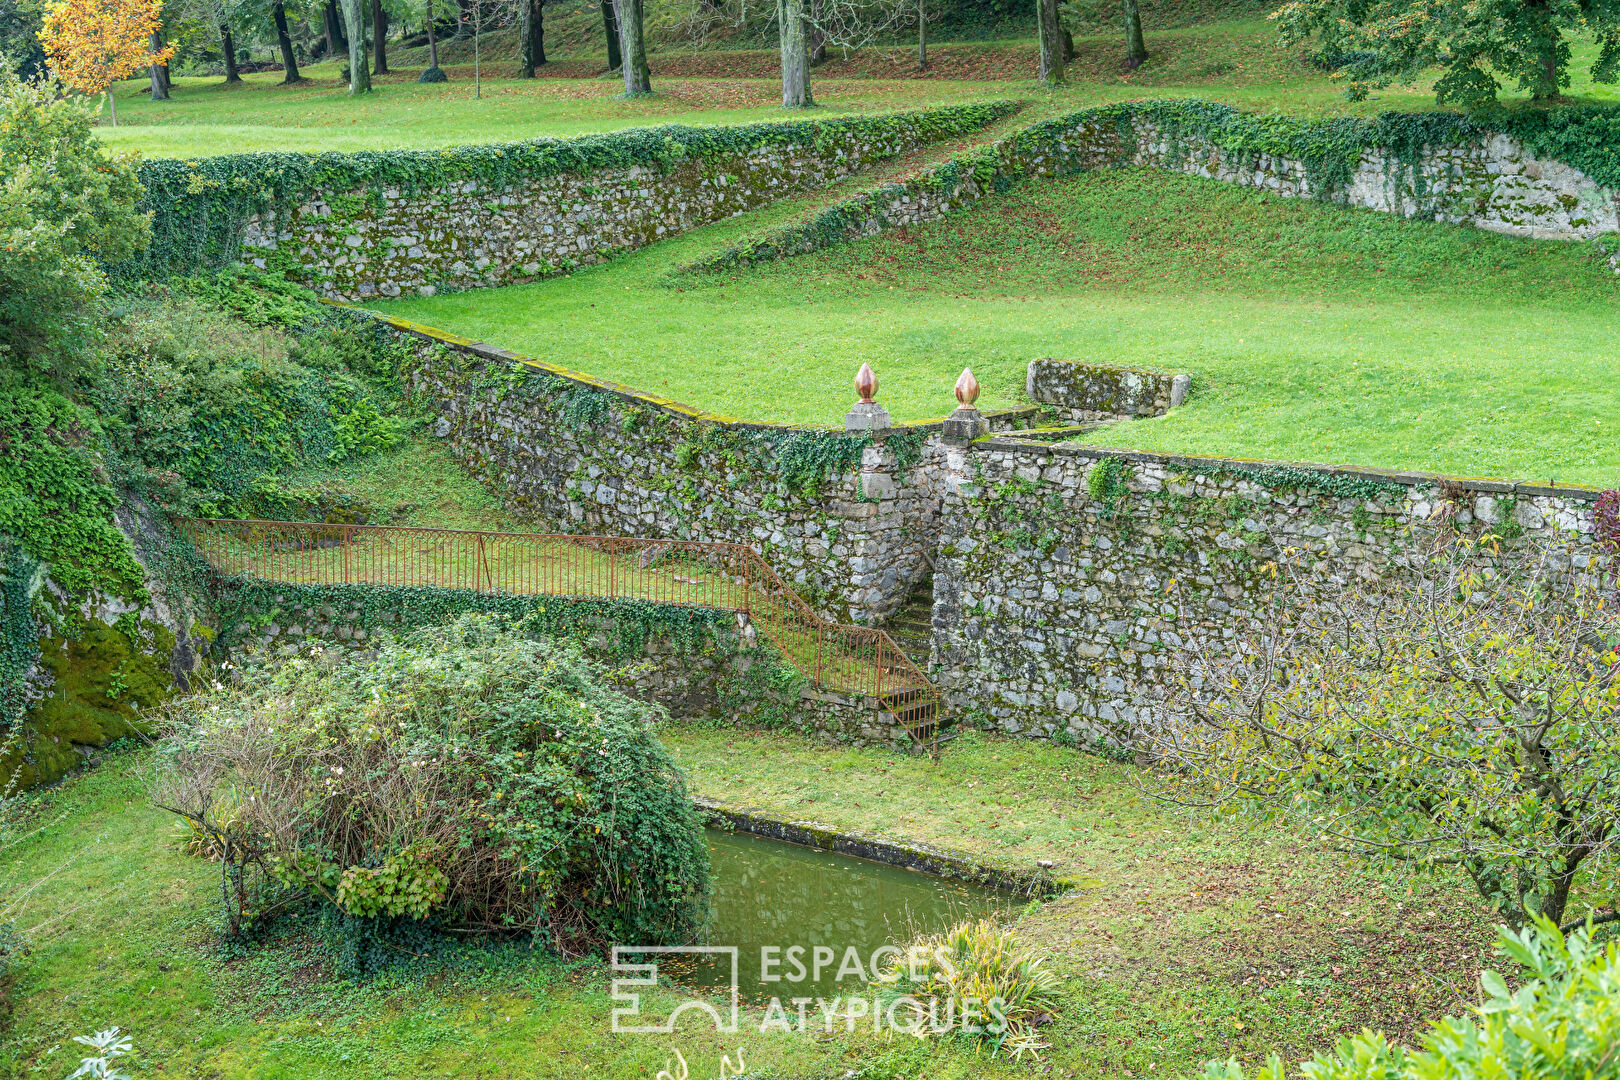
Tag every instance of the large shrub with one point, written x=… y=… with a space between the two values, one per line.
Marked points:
x=467 y=774
x=1562 y=1023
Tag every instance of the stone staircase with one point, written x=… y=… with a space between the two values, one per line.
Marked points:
x=912 y=629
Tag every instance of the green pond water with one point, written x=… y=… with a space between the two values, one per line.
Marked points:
x=773 y=895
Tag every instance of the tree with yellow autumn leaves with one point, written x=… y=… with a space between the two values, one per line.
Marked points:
x=91 y=44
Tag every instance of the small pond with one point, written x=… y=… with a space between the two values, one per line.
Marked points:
x=770 y=894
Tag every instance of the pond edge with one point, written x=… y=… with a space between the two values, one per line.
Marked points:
x=1035 y=883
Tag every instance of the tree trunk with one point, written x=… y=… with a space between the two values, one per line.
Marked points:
x=633 y=49
x=159 y=72
x=379 y=38
x=1068 y=47
x=433 y=44
x=1135 y=48
x=289 y=61
x=610 y=27
x=922 y=35
x=1051 y=33
x=359 y=77
x=231 y=74
x=531 y=38
x=336 y=40
x=817 y=37
x=795 y=55
x=112 y=106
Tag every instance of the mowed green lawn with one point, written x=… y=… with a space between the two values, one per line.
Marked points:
x=1313 y=333
x=1181 y=941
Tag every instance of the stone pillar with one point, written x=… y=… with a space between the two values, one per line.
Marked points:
x=867 y=415
x=966 y=423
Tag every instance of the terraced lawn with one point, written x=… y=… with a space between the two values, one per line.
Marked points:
x=1312 y=332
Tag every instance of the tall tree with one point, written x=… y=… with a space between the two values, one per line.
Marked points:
x=1474 y=43
x=1135 y=47
x=1051 y=34
x=289 y=61
x=334 y=39
x=633 y=48
x=922 y=35
x=791 y=25
x=610 y=26
x=379 y=38
x=91 y=44
x=359 y=77
x=531 y=37
x=228 y=44
x=159 y=71
x=433 y=42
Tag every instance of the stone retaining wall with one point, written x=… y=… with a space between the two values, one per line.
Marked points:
x=1492 y=182
x=1082 y=392
x=397 y=239
x=581 y=455
x=1056 y=589
x=705 y=682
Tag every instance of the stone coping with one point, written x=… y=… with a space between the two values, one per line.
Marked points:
x=1239 y=465
x=1036 y=881
x=630 y=393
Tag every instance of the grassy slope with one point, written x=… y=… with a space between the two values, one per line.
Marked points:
x=1185 y=941
x=1313 y=333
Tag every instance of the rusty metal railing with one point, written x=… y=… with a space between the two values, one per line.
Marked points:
x=731 y=577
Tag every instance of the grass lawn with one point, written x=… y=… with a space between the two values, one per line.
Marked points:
x=1236 y=61
x=1184 y=941
x=1313 y=333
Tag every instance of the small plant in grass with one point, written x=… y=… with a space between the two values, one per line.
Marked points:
x=1562 y=1022
x=975 y=965
x=108 y=1045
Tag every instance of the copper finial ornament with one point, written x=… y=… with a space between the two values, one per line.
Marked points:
x=967 y=388
x=866 y=384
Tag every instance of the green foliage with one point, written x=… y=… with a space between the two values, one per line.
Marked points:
x=765 y=695
x=20 y=580
x=504 y=788
x=67 y=207
x=200 y=207
x=54 y=497
x=1297 y=478
x=1474 y=44
x=1106 y=485
x=204 y=410
x=1562 y=1023
x=982 y=965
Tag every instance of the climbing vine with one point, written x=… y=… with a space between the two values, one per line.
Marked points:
x=1585 y=136
x=200 y=207
x=1282 y=477
x=20 y=579
x=246 y=606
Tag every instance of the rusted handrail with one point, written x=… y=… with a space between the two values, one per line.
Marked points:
x=731 y=577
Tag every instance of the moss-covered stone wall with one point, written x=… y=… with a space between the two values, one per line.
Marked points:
x=1070 y=578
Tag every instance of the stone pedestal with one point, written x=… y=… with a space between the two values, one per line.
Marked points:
x=867 y=416
x=963 y=426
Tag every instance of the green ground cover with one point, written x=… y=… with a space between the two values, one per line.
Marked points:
x=1183 y=941
x=1313 y=333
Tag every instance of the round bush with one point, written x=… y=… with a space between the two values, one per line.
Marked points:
x=432 y=75
x=467 y=774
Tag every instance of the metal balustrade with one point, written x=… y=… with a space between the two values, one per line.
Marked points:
x=856 y=660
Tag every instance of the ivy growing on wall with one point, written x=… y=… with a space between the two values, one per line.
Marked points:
x=627 y=625
x=200 y=207
x=1585 y=136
